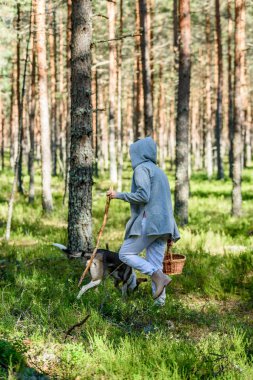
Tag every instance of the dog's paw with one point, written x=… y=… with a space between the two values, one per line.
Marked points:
x=79 y=295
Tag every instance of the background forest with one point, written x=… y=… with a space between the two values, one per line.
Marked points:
x=180 y=71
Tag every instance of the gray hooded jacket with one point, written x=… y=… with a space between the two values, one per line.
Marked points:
x=150 y=192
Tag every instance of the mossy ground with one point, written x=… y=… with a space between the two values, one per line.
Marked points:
x=205 y=331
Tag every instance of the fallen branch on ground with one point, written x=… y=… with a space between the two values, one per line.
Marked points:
x=76 y=325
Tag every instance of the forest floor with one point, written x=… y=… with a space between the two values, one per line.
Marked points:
x=205 y=331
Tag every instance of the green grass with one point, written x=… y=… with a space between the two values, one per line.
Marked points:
x=205 y=331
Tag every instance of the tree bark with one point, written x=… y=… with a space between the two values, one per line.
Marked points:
x=81 y=155
x=62 y=101
x=218 y=130
x=20 y=131
x=137 y=77
x=95 y=119
x=230 y=90
x=68 y=105
x=2 y=124
x=20 y=182
x=172 y=134
x=47 y=202
x=119 y=113
x=208 y=139
x=247 y=144
x=182 y=124
x=112 y=90
x=2 y=133
x=146 y=69
x=238 y=106
x=53 y=85
x=32 y=110
x=104 y=130
x=151 y=16
x=161 y=120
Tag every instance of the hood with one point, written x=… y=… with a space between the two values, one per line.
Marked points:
x=142 y=151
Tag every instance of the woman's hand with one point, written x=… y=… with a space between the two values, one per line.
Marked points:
x=169 y=243
x=111 y=194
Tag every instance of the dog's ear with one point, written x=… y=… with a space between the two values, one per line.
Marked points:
x=107 y=246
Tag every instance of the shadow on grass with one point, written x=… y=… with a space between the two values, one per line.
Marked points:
x=13 y=363
x=218 y=194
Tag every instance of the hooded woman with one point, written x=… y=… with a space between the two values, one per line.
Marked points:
x=152 y=222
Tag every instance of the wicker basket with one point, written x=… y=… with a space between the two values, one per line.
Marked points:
x=173 y=263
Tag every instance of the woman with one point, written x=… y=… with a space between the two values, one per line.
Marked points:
x=152 y=222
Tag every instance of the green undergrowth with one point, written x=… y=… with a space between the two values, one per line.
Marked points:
x=205 y=331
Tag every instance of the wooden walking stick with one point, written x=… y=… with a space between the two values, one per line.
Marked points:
x=98 y=239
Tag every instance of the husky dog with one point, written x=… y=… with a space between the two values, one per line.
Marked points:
x=107 y=263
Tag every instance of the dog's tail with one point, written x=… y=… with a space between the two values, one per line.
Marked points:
x=61 y=247
x=70 y=255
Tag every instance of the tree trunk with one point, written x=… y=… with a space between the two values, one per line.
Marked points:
x=68 y=121
x=146 y=71
x=104 y=130
x=182 y=148
x=47 y=202
x=208 y=139
x=20 y=183
x=172 y=134
x=175 y=50
x=81 y=155
x=20 y=129
x=151 y=16
x=14 y=118
x=32 y=110
x=220 y=172
x=53 y=85
x=112 y=90
x=230 y=90
x=62 y=101
x=137 y=77
x=161 y=119
x=2 y=122
x=95 y=119
x=119 y=115
x=11 y=118
x=244 y=86
x=238 y=107
x=247 y=146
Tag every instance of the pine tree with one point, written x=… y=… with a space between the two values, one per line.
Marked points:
x=182 y=149
x=47 y=202
x=238 y=106
x=81 y=155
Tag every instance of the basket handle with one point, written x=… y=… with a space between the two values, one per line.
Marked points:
x=169 y=248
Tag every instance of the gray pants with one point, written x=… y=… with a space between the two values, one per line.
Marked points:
x=155 y=248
